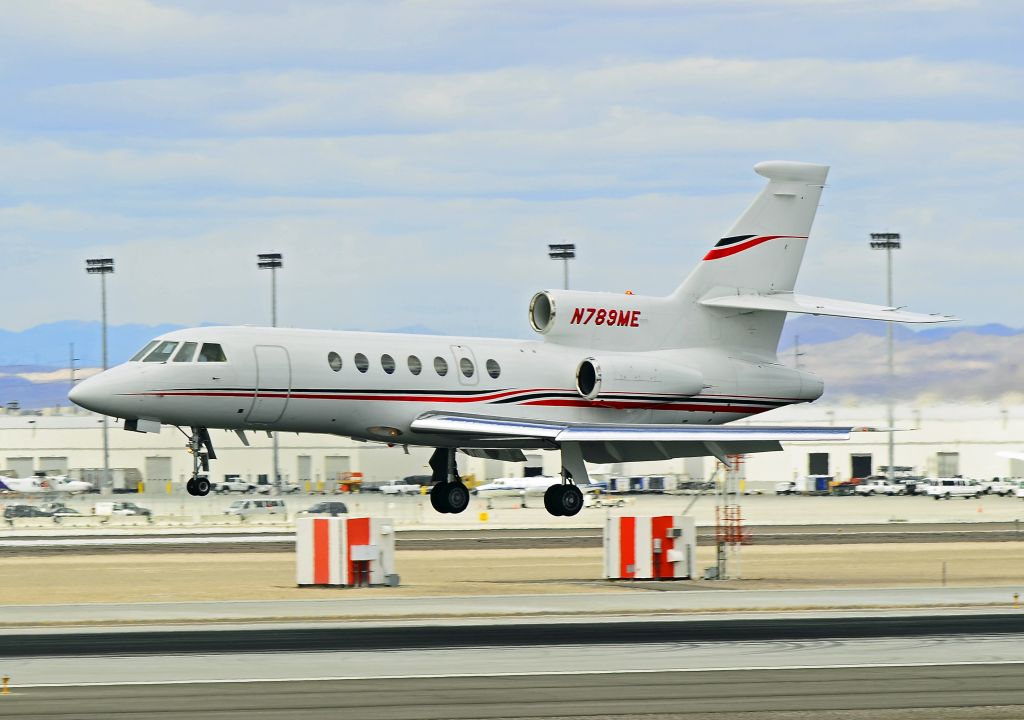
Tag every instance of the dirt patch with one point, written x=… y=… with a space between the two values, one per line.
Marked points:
x=271 y=576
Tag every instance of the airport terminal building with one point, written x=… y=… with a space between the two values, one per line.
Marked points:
x=936 y=440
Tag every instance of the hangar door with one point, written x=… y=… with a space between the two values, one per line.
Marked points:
x=158 y=469
x=53 y=465
x=273 y=384
x=860 y=466
x=21 y=466
x=336 y=467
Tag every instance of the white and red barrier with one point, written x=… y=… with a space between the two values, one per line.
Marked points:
x=344 y=551
x=662 y=547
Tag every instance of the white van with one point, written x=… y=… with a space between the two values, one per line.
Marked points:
x=248 y=508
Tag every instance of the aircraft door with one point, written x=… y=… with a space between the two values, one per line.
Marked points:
x=465 y=365
x=273 y=384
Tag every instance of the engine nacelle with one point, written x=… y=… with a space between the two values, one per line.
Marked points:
x=597 y=320
x=598 y=378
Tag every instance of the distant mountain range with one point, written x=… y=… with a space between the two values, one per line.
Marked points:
x=952 y=362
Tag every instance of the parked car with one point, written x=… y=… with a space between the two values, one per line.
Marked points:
x=233 y=484
x=58 y=509
x=1019 y=490
x=401 y=487
x=287 y=488
x=879 y=486
x=25 y=511
x=998 y=486
x=326 y=508
x=263 y=506
x=120 y=508
x=946 y=488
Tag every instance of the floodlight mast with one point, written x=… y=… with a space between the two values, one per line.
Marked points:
x=272 y=262
x=888 y=241
x=564 y=252
x=103 y=267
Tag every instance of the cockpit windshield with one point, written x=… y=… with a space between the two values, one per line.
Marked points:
x=211 y=352
x=162 y=352
x=142 y=353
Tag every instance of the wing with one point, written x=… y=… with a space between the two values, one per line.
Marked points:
x=606 y=442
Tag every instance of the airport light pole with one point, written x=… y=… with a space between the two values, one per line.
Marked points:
x=888 y=241
x=272 y=262
x=103 y=267
x=564 y=252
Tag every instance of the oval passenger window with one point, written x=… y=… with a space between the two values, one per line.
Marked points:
x=441 y=366
x=362 y=364
x=415 y=366
x=334 y=360
x=493 y=369
x=466 y=365
x=388 y=363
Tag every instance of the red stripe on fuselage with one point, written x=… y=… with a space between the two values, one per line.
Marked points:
x=728 y=250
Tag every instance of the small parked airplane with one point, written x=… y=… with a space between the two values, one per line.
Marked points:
x=613 y=377
x=44 y=485
x=517 y=486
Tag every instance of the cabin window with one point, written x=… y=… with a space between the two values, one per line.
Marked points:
x=362 y=364
x=142 y=353
x=162 y=352
x=186 y=353
x=440 y=366
x=334 y=360
x=493 y=369
x=388 y=363
x=212 y=352
x=415 y=366
x=466 y=366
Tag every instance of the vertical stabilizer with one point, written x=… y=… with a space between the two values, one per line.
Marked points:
x=761 y=253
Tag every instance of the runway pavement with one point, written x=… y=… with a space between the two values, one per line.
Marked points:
x=282 y=538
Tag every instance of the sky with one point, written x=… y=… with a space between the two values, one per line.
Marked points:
x=412 y=160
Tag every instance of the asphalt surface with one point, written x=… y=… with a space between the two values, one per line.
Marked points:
x=281 y=539
x=683 y=694
x=353 y=637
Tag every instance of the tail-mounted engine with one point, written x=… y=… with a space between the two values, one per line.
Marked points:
x=607 y=377
x=598 y=320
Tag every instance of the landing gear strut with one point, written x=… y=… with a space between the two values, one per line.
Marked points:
x=199 y=485
x=448 y=495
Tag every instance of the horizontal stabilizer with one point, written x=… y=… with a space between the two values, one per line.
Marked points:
x=808 y=305
x=559 y=432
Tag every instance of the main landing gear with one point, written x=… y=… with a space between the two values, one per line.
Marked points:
x=566 y=499
x=199 y=484
x=448 y=495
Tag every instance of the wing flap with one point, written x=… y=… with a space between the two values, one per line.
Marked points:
x=809 y=305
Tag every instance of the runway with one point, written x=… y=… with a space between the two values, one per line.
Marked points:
x=282 y=538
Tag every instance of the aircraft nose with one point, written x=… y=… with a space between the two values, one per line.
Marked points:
x=87 y=394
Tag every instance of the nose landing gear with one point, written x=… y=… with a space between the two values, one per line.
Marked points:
x=448 y=495
x=199 y=484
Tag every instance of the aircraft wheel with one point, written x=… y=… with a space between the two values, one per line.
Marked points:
x=571 y=500
x=190 y=487
x=552 y=499
x=456 y=497
x=437 y=497
x=201 y=487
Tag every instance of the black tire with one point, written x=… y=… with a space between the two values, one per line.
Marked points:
x=456 y=497
x=201 y=486
x=437 y=498
x=553 y=500
x=190 y=487
x=571 y=500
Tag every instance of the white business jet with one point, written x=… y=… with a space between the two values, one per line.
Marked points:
x=44 y=485
x=612 y=378
x=517 y=486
